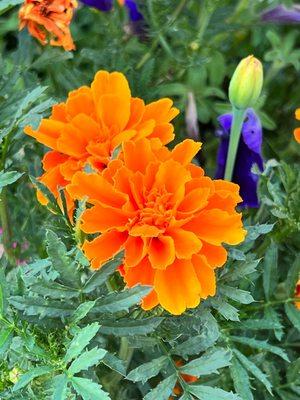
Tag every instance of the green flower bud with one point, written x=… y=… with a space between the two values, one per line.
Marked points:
x=246 y=83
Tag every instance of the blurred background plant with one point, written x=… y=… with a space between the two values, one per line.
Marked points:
x=187 y=51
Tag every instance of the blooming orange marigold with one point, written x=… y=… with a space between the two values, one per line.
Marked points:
x=297 y=294
x=170 y=219
x=297 y=130
x=91 y=125
x=52 y=18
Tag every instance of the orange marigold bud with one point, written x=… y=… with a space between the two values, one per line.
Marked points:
x=52 y=18
x=246 y=83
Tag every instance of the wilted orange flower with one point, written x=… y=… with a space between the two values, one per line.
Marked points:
x=90 y=126
x=49 y=18
x=170 y=219
x=187 y=378
x=297 y=294
x=297 y=130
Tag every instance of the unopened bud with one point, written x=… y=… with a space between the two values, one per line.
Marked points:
x=246 y=83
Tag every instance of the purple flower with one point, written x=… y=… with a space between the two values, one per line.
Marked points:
x=282 y=14
x=248 y=154
x=134 y=14
x=102 y=5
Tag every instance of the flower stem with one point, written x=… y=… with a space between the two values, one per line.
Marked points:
x=235 y=134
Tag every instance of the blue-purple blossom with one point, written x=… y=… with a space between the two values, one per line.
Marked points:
x=133 y=11
x=282 y=14
x=102 y=5
x=106 y=5
x=248 y=154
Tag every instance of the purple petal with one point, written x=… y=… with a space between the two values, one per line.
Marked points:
x=249 y=154
x=102 y=5
x=281 y=14
x=133 y=11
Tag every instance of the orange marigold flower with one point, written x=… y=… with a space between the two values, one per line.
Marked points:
x=52 y=18
x=297 y=294
x=91 y=125
x=170 y=219
x=297 y=130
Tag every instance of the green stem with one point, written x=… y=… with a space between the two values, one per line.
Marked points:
x=6 y=227
x=235 y=134
x=160 y=38
x=272 y=303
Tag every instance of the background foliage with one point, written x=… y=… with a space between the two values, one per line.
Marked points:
x=67 y=333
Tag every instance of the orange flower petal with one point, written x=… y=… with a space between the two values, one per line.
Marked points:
x=215 y=255
x=177 y=287
x=135 y=250
x=96 y=188
x=161 y=252
x=138 y=155
x=52 y=159
x=297 y=134
x=110 y=83
x=206 y=276
x=186 y=243
x=194 y=200
x=101 y=219
x=106 y=110
x=185 y=151
x=104 y=247
x=216 y=227
x=145 y=231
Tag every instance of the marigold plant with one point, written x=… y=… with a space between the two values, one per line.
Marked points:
x=91 y=125
x=297 y=294
x=297 y=130
x=49 y=18
x=170 y=218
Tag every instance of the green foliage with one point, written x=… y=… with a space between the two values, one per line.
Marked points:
x=69 y=333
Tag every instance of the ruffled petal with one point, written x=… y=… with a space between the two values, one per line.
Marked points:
x=177 y=287
x=104 y=247
x=161 y=252
x=186 y=243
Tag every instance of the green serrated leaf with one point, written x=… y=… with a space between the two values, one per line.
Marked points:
x=253 y=232
x=211 y=393
x=114 y=363
x=235 y=294
x=240 y=270
x=293 y=276
x=270 y=270
x=42 y=307
x=60 y=384
x=7 y=4
x=54 y=290
x=240 y=379
x=86 y=360
x=46 y=192
x=293 y=315
x=29 y=376
x=209 y=363
x=148 y=370
x=115 y=302
x=7 y=178
x=163 y=390
x=88 y=389
x=227 y=310
x=81 y=311
x=100 y=277
x=126 y=327
x=6 y=335
x=259 y=324
x=260 y=345
x=254 y=370
x=60 y=261
x=275 y=319
x=196 y=344
x=81 y=340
